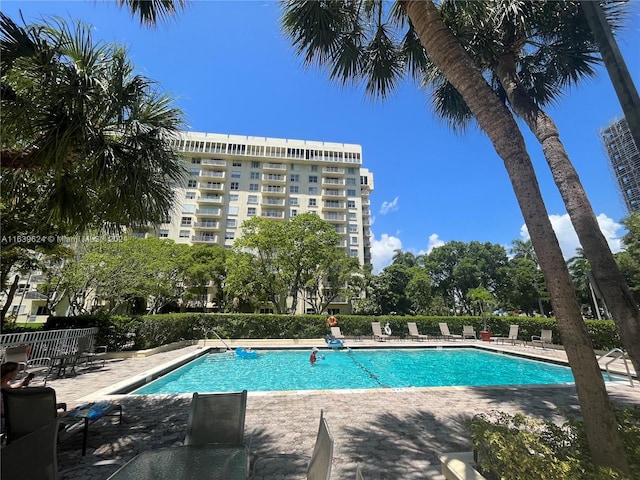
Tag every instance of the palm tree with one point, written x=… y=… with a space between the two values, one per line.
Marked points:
x=533 y=50
x=85 y=141
x=355 y=41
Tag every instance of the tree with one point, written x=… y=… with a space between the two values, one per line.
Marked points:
x=534 y=50
x=84 y=140
x=629 y=259
x=523 y=249
x=526 y=290
x=205 y=266
x=355 y=41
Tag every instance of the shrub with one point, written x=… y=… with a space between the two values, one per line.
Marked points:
x=520 y=448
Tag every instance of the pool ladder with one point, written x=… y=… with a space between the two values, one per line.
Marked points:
x=219 y=338
x=620 y=354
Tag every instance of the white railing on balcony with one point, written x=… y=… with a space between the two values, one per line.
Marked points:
x=48 y=343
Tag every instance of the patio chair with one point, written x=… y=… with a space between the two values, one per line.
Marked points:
x=377 y=332
x=33 y=455
x=444 y=332
x=217 y=418
x=88 y=352
x=18 y=354
x=543 y=338
x=28 y=409
x=513 y=335
x=414 y=333
x=319 y=464
x=336 y=333
x=468 y=332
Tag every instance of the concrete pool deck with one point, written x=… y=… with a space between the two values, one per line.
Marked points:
x=393 y=433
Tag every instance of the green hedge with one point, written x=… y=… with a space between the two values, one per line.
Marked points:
x=149 y=331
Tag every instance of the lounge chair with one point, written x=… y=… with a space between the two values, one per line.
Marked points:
x=18 y=354
x=32 y=456
x=468 y=332
x=217 y=418
x=444 y=332
x=28 y=409
x=89 y=353
x=512 y=337
x=359 y=475
x=377 y=332
x=336 y=333
x=544 y=337
x=319 y=465
x=413 y=332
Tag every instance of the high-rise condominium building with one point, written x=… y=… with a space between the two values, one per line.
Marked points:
x=233 y=178
x=625 y=161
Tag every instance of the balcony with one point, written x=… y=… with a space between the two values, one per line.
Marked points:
x=208 y=212
x=334 y=217
x=279 y=167
x=333 y=170
x=332 y=181
x=333 y=193
x=204 y=239
x=274 y=190
x=273 y=202
x=211 y=174
x=207 y=225
x=213 y=162
x=275 y=214
x=217 y=186
x=274 y=177
x=333 y=205
x=210 y=199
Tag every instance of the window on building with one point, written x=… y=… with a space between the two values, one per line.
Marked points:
x=185 y=221
x=234 y=197
x=252 y=199
x=353 y=228
x=351 y=204
x=294 y=212
x=190 y=195
x=313 y=190
x=192 y=183
x=295 y=166
x=231 y=223
x=251 y=211
x=351 y=181
x=353 y=216
x=294 y=189
x=163 y=233
x=232 y=210
x=234 y=186
x=255 y=164
x=353 y=252
x=254 y=187
x=236 y=163
x=184 y=234
x=313 y=168
x=351 y=192
x=312 y=202
x=351 y=171
x=254 y=175
x=354 y=240
x=294 y=178
x=196 y=161
x=229 y=235
x=235 y=174
x=189 y=208
x=313 y=179
x=194 y=172
x=293 y=201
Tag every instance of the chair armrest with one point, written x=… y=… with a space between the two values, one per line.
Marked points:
x=61 y=406
x=100 y=349
x=535 y=337
x=39 y=362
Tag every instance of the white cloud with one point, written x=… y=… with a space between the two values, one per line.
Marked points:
x=389 y=206
x=434 y=241
x=569 y=239
x=382 y=250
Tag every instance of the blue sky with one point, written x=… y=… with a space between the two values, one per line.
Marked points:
x=232 y=71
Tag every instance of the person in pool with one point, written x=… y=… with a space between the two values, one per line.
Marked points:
x=313 y=358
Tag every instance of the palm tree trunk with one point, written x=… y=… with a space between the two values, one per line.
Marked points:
x=497 y=122
x=609 y=279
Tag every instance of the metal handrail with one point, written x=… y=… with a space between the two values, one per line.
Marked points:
x=220 y=338
x=621 y=355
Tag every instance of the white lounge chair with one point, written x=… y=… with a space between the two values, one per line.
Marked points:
x=336 y=333
x=468 y=332
x=319 y=465
x=377 y=332
x=543 y=338
x=512 y=337
x=444 y=332
x=414 y=333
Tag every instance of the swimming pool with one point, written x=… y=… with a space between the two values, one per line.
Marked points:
x=355 y=369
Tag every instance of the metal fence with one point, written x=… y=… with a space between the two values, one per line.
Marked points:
x=50 y=342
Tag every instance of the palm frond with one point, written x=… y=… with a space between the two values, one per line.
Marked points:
x=151 y=12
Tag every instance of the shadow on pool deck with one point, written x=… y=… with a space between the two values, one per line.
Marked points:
x=395 y=434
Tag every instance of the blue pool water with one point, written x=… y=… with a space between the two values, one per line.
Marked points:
x=355 y=369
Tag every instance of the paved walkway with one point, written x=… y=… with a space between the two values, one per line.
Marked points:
x=394 y=434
